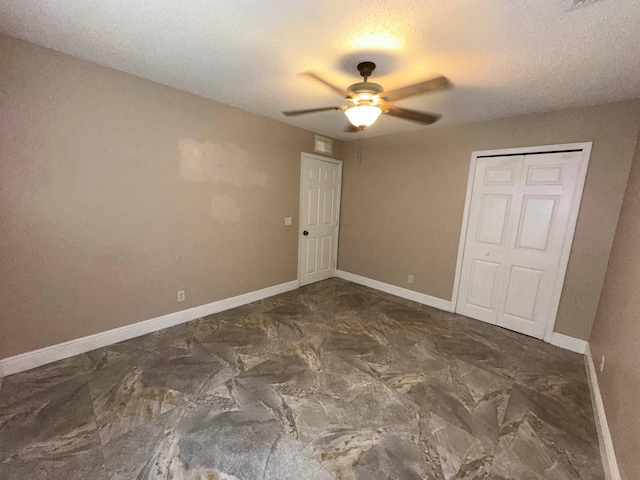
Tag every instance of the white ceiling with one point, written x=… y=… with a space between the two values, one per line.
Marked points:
x=504 y=57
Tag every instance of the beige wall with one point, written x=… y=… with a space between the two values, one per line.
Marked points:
x=103 y=216
x=402 y=206
x=616 y=332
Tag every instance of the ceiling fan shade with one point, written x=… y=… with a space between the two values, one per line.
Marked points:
x=363 y=115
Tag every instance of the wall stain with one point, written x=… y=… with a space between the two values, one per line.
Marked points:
x=202 y=162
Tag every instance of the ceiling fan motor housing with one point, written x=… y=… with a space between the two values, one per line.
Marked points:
x=364 y=91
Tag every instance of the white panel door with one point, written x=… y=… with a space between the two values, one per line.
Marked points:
x=319 y=210
x=485 y=256
x=520 y=212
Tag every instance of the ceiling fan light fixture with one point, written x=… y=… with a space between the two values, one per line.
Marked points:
x=363 y=115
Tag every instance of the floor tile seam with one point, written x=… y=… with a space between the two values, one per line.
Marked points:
x=190 y=398
x=303 y=445
x=520 y=360
x=142 y=425
x=103 y=459
x=509 y=389
x=485 y=338
x=76 y=378
x=493 y=457
x=198 y=393
x=585 y=413
x=93 y=412
x=454 y=357
x=559 y=432
x=131 y=359
x=269 y=356
x=371 y=377
x=199 y=397
x=300 y=452
x=545 y=377
x=414 y=407
x=99 y=446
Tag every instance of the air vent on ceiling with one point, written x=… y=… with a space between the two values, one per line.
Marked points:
x=573 y=4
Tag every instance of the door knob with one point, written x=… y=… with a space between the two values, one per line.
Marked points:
x=305 y=233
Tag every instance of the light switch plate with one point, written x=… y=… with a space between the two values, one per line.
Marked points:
x=288 y=221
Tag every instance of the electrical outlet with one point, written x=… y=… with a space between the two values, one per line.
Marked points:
x=602 y=363
x=410 y=279
x=181 y=295
x=288 y=221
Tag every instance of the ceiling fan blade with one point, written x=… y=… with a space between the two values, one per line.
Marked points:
x=432 y=85
x=339 y=91
x=293 y=113
x=414 y=116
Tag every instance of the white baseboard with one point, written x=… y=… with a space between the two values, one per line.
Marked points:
x=435 y=302
x=569 y=343
x=36 y=358
x=607 y=453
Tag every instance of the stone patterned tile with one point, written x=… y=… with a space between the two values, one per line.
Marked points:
x=556 y=373
x=221 y=438
x=303 y=466
x=544 y=438
x=25 y=384
x=460 y=409
x=491 y=348
x=128 y=390
x=248 y=339
x=51 y=434
x=398 y=457
x=330 y=381
x=305 y=391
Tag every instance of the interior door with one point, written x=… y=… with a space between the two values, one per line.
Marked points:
x=521 y=207
x=319 y=212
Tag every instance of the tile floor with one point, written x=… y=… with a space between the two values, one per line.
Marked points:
x=332 y=380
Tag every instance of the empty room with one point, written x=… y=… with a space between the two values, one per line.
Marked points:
x=319 y=240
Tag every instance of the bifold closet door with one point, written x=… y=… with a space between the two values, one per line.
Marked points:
x=518 y=219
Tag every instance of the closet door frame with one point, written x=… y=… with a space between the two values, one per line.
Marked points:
x=585 y=149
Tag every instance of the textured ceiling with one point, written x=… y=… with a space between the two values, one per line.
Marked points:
x=504 y=57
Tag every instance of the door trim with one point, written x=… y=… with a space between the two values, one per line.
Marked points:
x=334 y=260
x=585 y=148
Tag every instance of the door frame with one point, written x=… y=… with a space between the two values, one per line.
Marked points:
x=585 y=148
x=334 y=260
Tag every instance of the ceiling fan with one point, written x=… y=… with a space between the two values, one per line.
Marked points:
x=368 y=100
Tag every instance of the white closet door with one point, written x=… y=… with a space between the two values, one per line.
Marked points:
x=518 y=220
